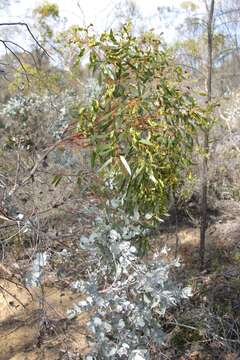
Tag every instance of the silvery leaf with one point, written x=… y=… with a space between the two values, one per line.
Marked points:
x=139 y=355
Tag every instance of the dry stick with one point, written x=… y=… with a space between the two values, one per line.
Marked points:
x=34 y=169
x=42 y=297
x=22 y=322
x=17 y=167
x=8 y=225
x=15 y=234
x=48 y=304
x=5 y=217
x=17 y=57
x=3 y=251
x=6 y=42
x=182 y=325
x=12 y=295
x=21 y=48
x=177 y=243
x=38 y=163
x=17 y=284
x=5 y=270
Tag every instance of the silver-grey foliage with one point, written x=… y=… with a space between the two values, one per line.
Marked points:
x=129 y=294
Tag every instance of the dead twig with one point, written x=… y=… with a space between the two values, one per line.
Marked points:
x=29 y=31
x=12 y=295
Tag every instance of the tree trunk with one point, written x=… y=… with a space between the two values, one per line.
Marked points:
x=206 y=138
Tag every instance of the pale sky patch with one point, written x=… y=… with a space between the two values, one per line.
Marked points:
x=101 y=13
x=98 y=12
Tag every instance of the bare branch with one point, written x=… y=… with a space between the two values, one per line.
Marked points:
x=22 y=48
x=17 y=57
x=30 y=32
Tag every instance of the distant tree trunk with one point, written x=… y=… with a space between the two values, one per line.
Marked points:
x=206 y=137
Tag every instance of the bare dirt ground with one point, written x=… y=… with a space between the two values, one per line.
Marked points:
x=31 y=329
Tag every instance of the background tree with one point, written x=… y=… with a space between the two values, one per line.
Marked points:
x=193 y=49
x=206 y=134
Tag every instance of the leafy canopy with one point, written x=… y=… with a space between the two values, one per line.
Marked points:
x=142 y=124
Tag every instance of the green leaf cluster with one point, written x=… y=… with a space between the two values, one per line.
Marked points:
x=143 y=123
x=47 y=9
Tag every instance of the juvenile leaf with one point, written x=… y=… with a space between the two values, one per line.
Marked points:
x=125 y=163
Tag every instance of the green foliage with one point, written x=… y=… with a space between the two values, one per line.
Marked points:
x=47 y=9
x=142 y=124
x=46 y=14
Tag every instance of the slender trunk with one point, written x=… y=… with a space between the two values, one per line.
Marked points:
x=177 y=242
x=206 y=139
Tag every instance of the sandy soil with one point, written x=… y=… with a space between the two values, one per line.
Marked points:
x=21 y=334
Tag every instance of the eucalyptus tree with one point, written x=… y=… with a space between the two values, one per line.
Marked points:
x=141 y=124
